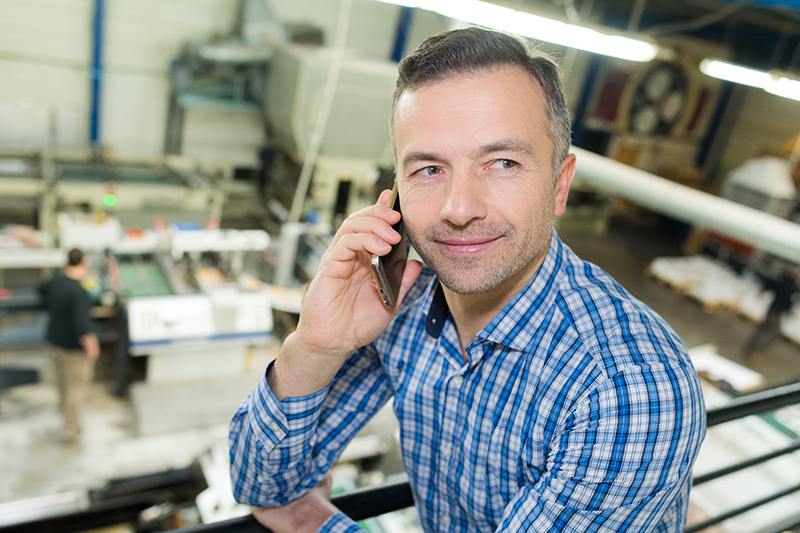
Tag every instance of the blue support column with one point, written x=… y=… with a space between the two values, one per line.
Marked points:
x=714 y=124
x=96 y=72
x=403 y=25
x=579 y=124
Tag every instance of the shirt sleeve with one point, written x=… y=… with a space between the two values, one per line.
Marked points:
x=623 y=458
x=340 y=523
x=279 y=450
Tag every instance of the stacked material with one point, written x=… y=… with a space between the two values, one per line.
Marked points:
x=716 y=285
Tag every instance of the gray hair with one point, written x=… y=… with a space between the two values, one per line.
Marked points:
x=475 y=50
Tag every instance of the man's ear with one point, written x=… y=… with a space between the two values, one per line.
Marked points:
x=565 y=175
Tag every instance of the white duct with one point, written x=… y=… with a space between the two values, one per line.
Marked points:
x=705 y=211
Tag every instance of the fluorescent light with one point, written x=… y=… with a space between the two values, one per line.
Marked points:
x=541 y=28
x=772 y=83
x=786 y=88
x=735 y=73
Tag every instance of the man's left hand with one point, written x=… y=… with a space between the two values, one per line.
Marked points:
x=305 y=514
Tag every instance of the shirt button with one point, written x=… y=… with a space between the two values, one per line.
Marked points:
x=445 y=520
x=260 y=479
x=457 y=381
x=446 y=451
x=274 y=427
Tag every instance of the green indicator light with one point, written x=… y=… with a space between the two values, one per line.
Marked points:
x=110 y=200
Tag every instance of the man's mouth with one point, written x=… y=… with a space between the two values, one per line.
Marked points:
x=467 y=247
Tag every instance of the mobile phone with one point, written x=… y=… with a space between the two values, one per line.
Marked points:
x=388 y=269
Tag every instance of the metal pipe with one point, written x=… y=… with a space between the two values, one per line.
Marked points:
x=705 y=211
x=784 y=526
x=358 y=505
x=394 y=495
x=97 y=71
x=699 y=480
x=755 y=403
x=636 y=15
x=694 y=528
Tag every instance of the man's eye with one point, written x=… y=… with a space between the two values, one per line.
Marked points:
x=503 y=164
x=429 y=171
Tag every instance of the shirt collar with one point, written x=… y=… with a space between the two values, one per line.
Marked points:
x=515 y=324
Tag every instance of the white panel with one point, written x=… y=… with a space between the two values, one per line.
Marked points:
x=158 y=318
x=51 y=29
x=372 y=24
x=134 y=114
x=148 y=34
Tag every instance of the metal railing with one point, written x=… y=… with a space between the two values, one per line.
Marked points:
x=393 y=496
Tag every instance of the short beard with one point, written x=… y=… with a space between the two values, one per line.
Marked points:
x=458 y=279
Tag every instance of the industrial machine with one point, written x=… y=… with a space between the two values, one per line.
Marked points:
x=137 y=192
x=355 y=141
x=198 y=318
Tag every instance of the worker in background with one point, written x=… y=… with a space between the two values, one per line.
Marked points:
x=533 y=392
x=73 y=344
x=785 y=287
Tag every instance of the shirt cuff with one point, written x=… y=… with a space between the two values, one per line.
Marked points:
x=340 y=523
x=276 y=419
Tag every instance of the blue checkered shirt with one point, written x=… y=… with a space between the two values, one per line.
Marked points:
x=578 y=410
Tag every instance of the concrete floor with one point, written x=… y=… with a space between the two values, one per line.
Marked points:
x=34 y=463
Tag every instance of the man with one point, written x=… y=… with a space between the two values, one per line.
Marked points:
x=784 y=288
x=533 y=393
x=73 y=344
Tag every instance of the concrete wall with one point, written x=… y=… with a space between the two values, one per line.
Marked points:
x=765 y=121
x=45 y=59
x=45 y=50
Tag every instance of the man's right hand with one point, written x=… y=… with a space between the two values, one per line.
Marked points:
x=341 y=310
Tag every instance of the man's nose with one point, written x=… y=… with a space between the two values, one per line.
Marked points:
x=465 y=199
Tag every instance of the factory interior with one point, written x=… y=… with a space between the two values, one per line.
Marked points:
x=202 y=153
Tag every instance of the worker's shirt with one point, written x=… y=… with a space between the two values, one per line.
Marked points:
x=578 y=410
x=68 y=305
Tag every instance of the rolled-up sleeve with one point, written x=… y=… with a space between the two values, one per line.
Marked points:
x=279 y=450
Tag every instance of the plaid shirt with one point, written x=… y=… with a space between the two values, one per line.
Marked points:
x=578 y=410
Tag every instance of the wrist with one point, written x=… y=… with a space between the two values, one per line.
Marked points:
x=301 y=370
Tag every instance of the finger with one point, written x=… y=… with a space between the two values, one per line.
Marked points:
x=384 y=198
x=378 y=210
x=376 y=226
x=353 y=243
x=377 y=216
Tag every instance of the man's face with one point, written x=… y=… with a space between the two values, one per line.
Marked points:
x=475 y=176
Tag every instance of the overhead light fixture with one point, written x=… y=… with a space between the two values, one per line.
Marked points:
x=774 y=82
x=785 y=87
x=540 y=28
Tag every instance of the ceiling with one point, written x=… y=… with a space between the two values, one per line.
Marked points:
x=763 y=34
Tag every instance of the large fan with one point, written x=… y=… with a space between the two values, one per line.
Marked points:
x=659 y=100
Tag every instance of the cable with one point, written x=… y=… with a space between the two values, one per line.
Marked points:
x=312 y=152
x=699 y=22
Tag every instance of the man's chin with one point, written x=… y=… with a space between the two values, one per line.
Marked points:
x=467 y=284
